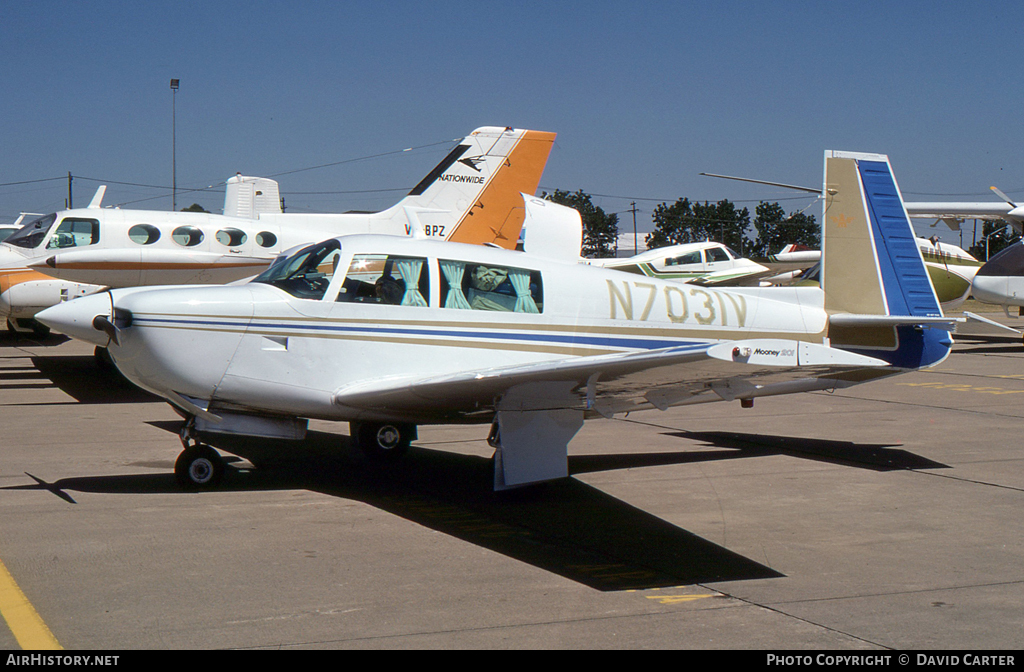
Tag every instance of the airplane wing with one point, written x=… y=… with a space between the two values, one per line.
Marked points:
x=727 y=279
x=608 y=384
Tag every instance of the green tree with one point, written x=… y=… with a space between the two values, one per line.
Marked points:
x=195 y=207
x=686 y=222
x=775 y=229
x=998 y=235
x=600 y=230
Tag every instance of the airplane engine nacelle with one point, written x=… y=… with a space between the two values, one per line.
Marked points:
x=25 y=299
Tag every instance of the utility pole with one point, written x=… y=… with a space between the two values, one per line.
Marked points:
x=71 y=198
x=174 y=146
x=636 y=243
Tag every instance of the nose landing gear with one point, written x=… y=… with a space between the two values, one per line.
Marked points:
x=198 y=467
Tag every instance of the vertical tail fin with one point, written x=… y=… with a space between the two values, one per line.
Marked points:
x=251 y=196
x=876 y=286
x=475 y=194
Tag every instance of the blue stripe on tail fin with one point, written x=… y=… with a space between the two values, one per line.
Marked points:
x=908 y=289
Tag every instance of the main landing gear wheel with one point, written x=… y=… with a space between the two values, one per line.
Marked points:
x=199 y=467
x=382 y=441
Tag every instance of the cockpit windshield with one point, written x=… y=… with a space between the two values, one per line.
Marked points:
x=33 y=233
x=307 y=273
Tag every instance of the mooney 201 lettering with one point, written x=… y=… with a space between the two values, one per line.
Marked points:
x=389 y=333
x=475 y=195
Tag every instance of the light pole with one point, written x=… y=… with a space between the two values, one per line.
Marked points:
x=174 y=147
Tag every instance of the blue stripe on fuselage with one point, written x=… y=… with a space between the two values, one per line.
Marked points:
x=572 y=339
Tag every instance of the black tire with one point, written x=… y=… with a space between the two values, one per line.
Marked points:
x=199 y=468
x=383 y=441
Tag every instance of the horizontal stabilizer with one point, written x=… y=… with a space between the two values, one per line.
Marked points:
x=972 y=317
x=851 y=320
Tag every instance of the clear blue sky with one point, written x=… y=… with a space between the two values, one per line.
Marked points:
x=643 y=96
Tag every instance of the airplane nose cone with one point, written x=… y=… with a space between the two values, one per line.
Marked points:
x=78 y=318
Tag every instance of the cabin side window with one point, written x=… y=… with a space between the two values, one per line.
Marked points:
x=470 y=286
x=717 y=254
x=231 y=237
x=388 y=279
x=144 y=234
x=187 y=236
x=689 y=258
x=75 y=232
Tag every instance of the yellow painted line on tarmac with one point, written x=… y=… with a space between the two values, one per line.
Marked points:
x=963 y=387
x=676 y=599
x=22 y=618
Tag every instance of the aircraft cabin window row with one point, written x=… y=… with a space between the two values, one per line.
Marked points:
x=79 y=232
x=405 y=281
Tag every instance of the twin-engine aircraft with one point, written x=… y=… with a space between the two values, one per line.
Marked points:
x=388 y=333
x=473 y=196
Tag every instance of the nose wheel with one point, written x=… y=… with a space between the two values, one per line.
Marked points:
x=198 y=467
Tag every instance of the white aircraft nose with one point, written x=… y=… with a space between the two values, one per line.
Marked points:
x=77 y=318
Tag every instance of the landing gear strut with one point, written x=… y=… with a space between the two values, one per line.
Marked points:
x=198 y=467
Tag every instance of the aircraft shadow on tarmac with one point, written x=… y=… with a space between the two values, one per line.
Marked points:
x=876 y=457
x=984 y=344
x=566 y=527
x=87 y=382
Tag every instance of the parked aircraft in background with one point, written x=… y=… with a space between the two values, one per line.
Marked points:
x=388 y=333
x=6 y=230
x=950 y=268
x=796 y=254
x=1001 y=280
x=474 y=196
x=706 y=263
x=951 y=213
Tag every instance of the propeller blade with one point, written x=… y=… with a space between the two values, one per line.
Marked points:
x=1003 y=196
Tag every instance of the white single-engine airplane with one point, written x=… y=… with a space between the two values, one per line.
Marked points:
x=708 y=263
x=388 y=333
x=473 y=196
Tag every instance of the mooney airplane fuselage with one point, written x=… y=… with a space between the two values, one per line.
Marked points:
x=475 y=195
x=388 y=333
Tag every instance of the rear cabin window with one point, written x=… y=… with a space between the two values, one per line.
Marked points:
x=471 y=286
x=75 y=232
x=382 y=278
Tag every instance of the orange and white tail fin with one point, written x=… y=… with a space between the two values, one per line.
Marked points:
x=475 y=195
